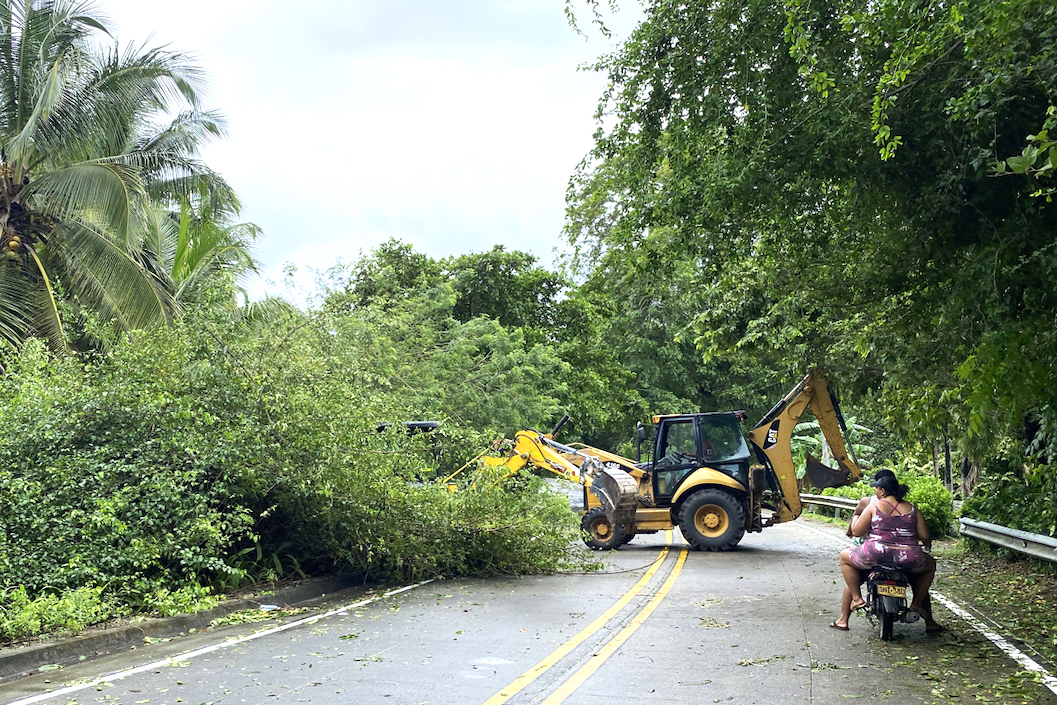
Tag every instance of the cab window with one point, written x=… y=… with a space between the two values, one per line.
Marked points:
x=676 y=456
x=721 y=439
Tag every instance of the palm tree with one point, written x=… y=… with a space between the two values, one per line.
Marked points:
x=86 y=154
x=208 y=259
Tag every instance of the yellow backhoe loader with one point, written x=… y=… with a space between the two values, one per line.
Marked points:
x=700 y=477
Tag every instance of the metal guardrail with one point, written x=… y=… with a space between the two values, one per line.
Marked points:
x=838 y=503
x=1044 y=547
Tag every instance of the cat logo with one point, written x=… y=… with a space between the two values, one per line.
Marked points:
x=772 y=436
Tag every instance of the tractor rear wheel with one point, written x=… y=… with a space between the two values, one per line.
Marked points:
x=712 y=520
x=599 y=534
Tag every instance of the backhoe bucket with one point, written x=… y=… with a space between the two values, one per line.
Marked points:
x=822 y=476
x=617 y=491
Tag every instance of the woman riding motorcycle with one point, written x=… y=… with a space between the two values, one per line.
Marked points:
x=895 y=533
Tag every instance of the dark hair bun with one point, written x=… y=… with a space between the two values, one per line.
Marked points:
x=891 y=486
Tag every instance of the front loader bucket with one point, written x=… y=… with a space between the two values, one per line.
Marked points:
x=822 y=476
x=618 y=492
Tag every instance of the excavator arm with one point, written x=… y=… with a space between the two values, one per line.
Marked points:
x=771 y=438
x=615 y=488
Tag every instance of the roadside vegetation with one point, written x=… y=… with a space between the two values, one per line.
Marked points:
x=775 y=186
x=1013 y=593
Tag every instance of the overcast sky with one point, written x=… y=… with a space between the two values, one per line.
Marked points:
x=453 y=125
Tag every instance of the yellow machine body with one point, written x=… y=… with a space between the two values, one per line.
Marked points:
x=713 y=503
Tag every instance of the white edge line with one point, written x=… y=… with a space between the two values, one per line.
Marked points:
x=998 y=640
x=209 y=649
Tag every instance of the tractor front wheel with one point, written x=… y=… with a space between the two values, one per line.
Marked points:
x=599 y=534
x=712 y=520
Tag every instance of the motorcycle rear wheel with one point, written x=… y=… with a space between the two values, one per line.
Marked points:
x=887 y=625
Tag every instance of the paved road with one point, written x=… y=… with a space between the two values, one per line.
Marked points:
x=661 y=625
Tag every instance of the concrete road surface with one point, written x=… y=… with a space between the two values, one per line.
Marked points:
x=662 y=624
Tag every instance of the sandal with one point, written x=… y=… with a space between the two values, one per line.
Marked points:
x=857 y=607
x=834 y=625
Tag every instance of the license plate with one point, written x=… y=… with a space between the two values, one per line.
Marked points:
x=892 y=590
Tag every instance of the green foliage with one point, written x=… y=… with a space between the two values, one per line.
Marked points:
x=111 y=473
x=814 y=182
x=1019 y=498
x=508 y=287
x=70 y=611
x=932 y=499
x=214 y=453
x=809 y=439
x=185 y=599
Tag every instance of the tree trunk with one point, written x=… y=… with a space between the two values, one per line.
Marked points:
x=947 y=460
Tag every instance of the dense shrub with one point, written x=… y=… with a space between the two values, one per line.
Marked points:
x=114 y=473
x=184 y=458
x=1018 y=498
x=929 y=495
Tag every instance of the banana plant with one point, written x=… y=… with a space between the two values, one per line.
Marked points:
x=808 y=438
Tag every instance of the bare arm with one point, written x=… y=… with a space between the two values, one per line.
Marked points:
x=861 y=525
x=863 y=504
x=923 y=529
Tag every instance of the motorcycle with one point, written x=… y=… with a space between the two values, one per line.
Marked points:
x=886 y=599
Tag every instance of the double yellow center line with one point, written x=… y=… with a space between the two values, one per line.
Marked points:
x=596 y=660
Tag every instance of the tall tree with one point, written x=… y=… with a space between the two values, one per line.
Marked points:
x=510 y=287
x=829 y=172
x=82 y=159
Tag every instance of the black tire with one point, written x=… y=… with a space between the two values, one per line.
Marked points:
x=599 y=534
x=712 y=520
x=887 y=625
x=627 y=539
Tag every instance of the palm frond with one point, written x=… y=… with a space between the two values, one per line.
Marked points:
x=108 y=194
x=210 y=192
x=109 y=103
x=46 y=42
x=207 y=249
x=175 y=178
x=47 y=320
x=186 y=133
x=16 y=307
x=110 y=278
x=258 y=315
x=153 y=78
x=8 y=75
x=161 y=236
